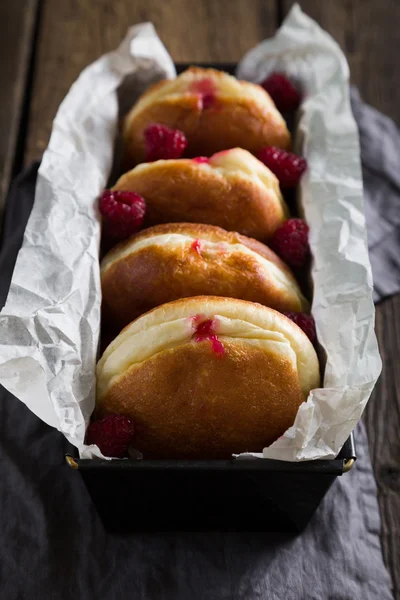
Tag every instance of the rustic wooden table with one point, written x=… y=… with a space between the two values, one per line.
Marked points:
x=45 y=44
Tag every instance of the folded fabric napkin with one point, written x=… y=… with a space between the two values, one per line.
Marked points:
x=54 y=545
x=380 y=151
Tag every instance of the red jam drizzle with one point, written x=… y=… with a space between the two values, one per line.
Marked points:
x=208 y=100
x=197 y=246
x=205 y=330
x=201 y=159
x=206 y=90
x=216 y=345
x=203 y=86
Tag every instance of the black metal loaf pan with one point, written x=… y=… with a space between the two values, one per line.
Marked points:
x=170 y=495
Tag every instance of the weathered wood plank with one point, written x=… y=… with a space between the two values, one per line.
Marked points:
x=368 y=32
x=75 y=32
x=16 y=41
x=382 y=420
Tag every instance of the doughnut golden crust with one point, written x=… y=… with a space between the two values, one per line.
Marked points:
x=169 y=262
x=233 y=190
x=213 y=109
x=206 y=377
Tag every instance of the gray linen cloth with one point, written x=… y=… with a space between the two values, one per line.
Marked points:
x=380 y=152
x=53 y=545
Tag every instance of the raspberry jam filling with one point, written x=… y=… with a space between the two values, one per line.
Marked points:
x=197 y=246
x=201 y=159
x=205 y=330
x=206 y=90
x=208 y=100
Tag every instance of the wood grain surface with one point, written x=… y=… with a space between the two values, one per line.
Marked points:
x=368 y=33
x=73 y=33
x=192 y=31
x=16 y=42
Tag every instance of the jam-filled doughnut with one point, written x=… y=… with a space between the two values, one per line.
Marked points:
x=214 y=110
x=178 y=260
x=206 y=377
x=231 y=189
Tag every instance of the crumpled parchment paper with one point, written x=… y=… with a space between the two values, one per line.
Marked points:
x=49 y=327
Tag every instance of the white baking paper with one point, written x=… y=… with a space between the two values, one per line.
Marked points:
x=332 y=201
x=49 y=327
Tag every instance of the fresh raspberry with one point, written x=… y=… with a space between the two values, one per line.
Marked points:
x=123 y=213
x=305 y=322
x=282 y=91
x=163 y=142
x=113 y=435
x=286 y=166
x=290 y=242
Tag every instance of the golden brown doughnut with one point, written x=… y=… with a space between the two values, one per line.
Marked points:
x=233 y=190
x=206 y=377
x=173 y=261
x=213 y=109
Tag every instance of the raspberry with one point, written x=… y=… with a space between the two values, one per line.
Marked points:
x=305 y=322
x=282 y=91
x=286 y=166
x=123 y=213
x=163 y=142
x=113 y=435
x=290 y=242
